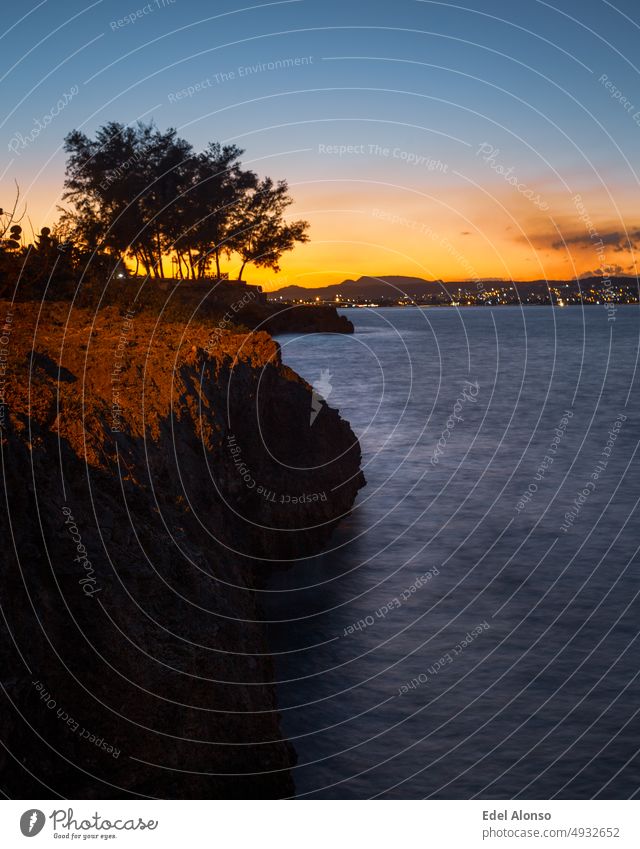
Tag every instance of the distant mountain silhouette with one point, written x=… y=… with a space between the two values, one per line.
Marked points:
x=395 y=286
x=389 y=286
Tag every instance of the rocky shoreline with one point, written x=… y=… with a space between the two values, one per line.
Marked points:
x=153 y=470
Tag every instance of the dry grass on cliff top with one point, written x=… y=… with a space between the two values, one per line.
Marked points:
x=78 y=363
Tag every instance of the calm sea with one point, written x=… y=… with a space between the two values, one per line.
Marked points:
x=472 y=630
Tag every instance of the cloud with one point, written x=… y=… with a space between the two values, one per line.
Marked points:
x=615 y=239
x=608 y=271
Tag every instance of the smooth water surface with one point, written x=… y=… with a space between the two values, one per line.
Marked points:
x=454 y=641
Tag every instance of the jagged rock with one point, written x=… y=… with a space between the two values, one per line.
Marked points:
x=135 y=546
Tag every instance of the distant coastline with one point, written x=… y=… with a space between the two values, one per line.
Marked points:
x=480 y=305
x=398 y=291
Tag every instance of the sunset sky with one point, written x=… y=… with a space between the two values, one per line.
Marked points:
x=394 y=123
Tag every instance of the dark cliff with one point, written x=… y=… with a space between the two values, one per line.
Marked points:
x=151 y=471
x=204 y=302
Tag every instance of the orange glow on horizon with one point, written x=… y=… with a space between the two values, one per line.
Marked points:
x=451 y=234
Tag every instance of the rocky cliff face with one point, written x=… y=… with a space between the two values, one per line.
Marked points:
x=215 y=303
x=151 y=472
x=301 y=318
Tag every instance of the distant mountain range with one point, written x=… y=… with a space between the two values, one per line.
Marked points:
x=396 y=286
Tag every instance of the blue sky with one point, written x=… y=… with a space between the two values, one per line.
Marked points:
x=430 y=80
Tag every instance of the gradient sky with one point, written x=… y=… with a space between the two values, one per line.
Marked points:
x=398 y=81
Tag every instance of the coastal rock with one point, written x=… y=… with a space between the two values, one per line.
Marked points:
x=151 y=473
x=223 y=304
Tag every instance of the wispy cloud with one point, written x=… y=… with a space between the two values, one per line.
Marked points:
x=616 y=239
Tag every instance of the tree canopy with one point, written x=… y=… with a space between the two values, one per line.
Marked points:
x=145 y=194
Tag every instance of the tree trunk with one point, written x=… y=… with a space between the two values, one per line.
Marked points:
x=159 y=247
x=151 y=260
